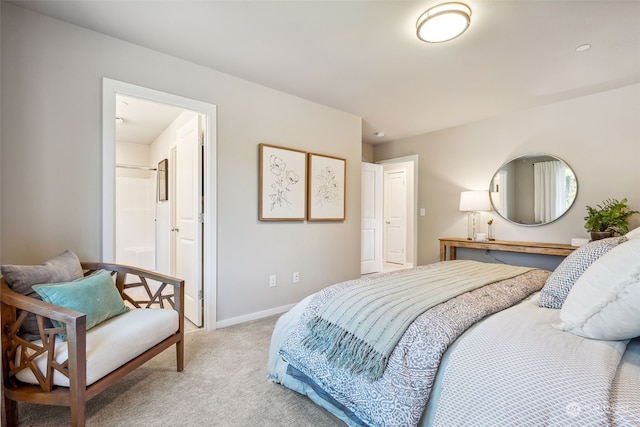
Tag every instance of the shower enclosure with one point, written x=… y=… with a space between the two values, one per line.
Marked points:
x=136 y=215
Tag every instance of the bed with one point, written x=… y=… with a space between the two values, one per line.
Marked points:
x=521 y=347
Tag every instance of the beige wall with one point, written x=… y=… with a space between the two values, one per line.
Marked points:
x=367 y=153
x=51 y=160
x=597 y=135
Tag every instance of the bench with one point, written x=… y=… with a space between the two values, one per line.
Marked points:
x=54 y=370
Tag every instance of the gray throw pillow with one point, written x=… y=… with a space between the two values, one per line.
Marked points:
x=557 y=287
x=20 y=278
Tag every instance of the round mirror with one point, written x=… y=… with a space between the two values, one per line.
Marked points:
x=533 y=189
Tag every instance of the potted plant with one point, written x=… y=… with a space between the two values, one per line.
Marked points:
x=609 y=218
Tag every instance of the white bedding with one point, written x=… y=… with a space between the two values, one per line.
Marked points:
x=516 y=369
x=625 y=402
x=527 y=374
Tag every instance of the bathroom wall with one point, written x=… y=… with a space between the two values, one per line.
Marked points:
x=135 y=207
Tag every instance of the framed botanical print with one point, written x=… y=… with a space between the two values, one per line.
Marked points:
x=327 y=190
x=283 y=185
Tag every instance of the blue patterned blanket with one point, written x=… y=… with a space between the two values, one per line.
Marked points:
x=398 y=398
x=359 y=327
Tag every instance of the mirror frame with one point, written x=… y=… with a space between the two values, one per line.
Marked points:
x=528 y=155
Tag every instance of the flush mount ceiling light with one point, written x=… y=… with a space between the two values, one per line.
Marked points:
x=443 y=22
x=583 y=47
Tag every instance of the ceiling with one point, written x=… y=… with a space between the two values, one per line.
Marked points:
x=362 y=56
x=140 y=121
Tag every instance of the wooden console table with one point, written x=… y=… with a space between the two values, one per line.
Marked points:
x=503 y=245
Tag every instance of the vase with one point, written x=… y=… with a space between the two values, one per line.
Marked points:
x=490 y=232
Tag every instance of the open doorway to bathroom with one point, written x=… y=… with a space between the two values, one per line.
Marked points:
x=142 y=134
x=145 y=186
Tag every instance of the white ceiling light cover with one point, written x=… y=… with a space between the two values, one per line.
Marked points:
x=443 y=22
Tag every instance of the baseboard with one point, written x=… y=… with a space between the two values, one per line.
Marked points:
x=253 y=316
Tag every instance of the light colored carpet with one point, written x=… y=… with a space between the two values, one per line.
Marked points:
x=224 y=383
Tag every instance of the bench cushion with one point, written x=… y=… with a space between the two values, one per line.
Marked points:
x=112 y=343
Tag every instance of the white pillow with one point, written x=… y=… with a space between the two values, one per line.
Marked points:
x=560 y=282
x=604 y=303
x=633 y=234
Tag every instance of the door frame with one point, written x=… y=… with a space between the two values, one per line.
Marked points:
x=112 y=87
x=413 y=216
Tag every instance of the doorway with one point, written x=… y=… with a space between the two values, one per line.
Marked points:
x=399 y=199
x=206 y=175
x=395 y=216
x=398 y=215
x=143 y=132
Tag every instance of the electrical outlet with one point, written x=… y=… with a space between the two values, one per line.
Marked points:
x=296 y=277
x=272 y=281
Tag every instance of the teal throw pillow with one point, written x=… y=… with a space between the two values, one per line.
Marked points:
x=95 y=295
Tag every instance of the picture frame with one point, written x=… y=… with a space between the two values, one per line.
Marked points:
x=327 y=188
x=163 y=182
x=283 y=184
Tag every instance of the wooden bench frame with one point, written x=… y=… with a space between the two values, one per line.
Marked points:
x=78 y=393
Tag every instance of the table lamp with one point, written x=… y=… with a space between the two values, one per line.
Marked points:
x=473 y=202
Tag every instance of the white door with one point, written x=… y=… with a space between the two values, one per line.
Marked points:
x=371 y=221
x=188 y=210
x=395 y=216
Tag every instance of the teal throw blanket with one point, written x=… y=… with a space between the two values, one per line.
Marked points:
x=360 y=326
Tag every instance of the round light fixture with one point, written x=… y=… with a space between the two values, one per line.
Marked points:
x=443 y=22
x=583 y=47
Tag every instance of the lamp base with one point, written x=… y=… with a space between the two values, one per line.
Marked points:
x=473 y=225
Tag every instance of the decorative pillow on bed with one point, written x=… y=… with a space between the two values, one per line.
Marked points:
x=95 y=295
x=605 y=301
x=560 y=282
x=20 y=278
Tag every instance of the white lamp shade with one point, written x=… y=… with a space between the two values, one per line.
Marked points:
x=474 y=201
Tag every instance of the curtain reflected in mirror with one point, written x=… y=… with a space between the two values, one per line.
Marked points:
x=534 y=189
